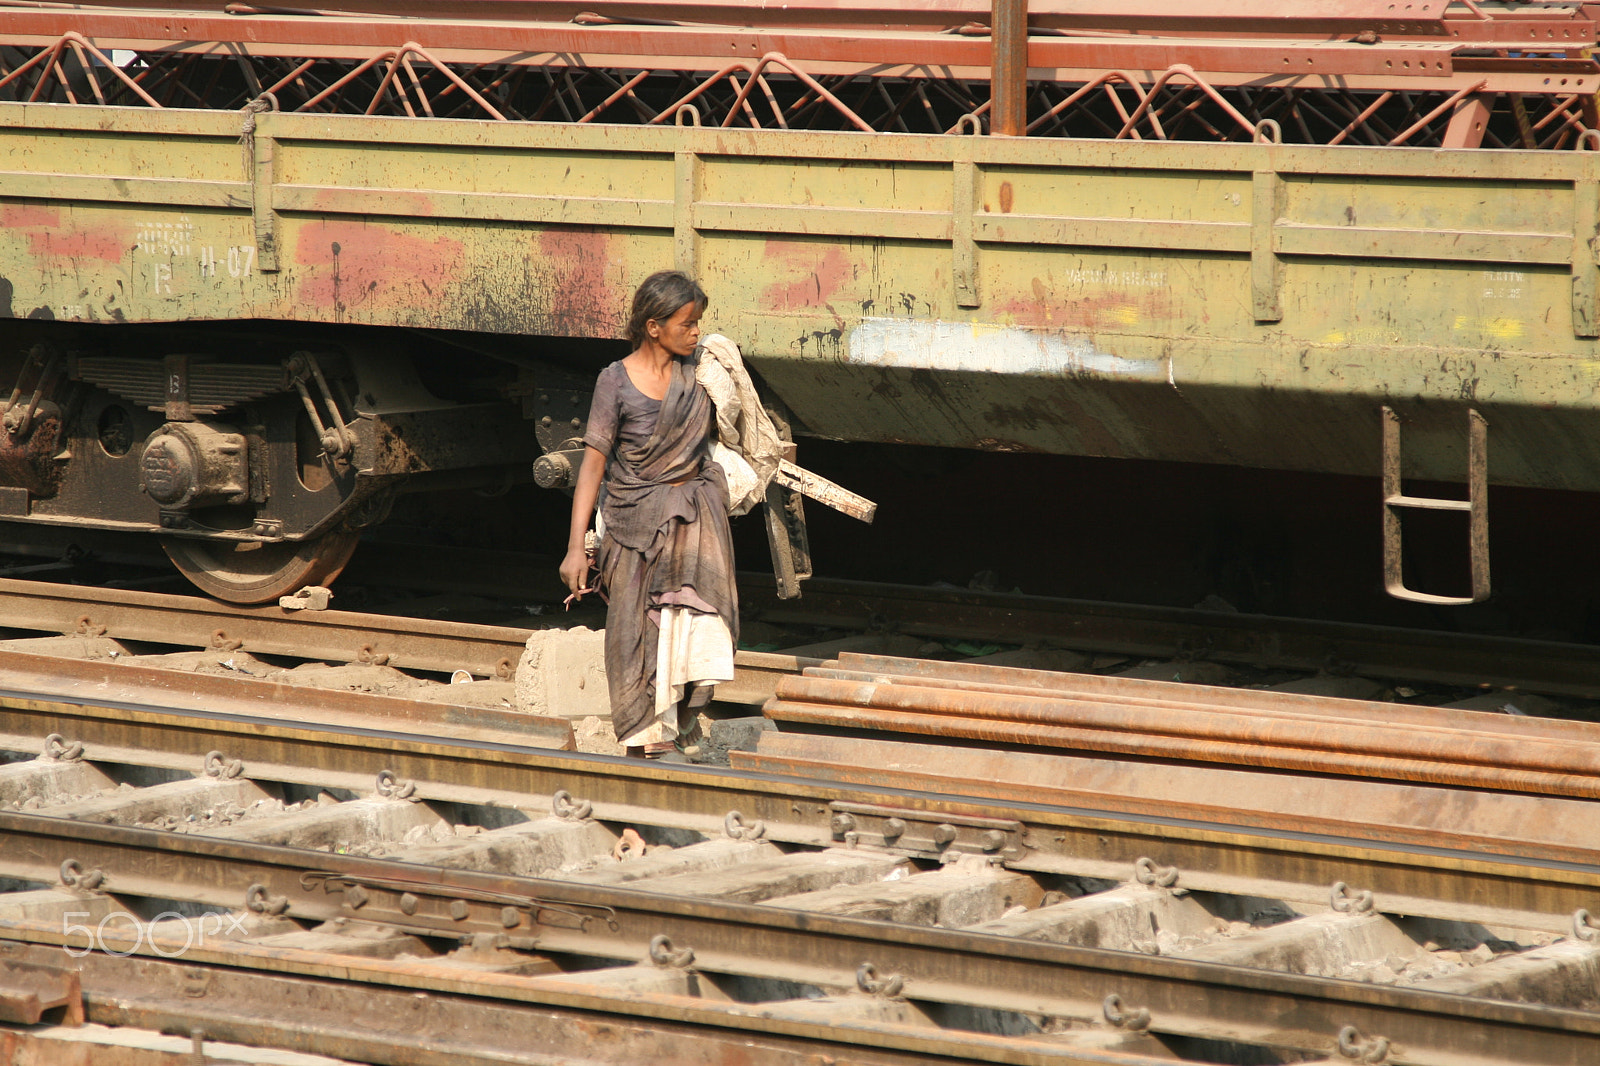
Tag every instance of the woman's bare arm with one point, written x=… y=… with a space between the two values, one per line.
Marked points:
x=575 y=567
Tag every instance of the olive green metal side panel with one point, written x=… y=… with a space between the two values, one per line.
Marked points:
x=1246 y=304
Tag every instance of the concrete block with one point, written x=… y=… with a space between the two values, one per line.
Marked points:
x=563 y=673
x=595 y=736
x=736 y=734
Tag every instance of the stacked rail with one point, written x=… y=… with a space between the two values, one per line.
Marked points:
x=1269 y=759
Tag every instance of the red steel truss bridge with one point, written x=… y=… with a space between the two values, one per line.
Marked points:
x=1427 y=73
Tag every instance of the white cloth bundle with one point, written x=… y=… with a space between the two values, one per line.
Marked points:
x=748 y=447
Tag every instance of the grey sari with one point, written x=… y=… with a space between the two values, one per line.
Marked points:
x=666 y=542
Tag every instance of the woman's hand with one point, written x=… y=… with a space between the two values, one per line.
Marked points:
x=575 y=570
x=575 y=567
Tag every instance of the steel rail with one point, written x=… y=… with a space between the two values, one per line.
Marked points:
x=1538 y=28
x=1188 y=722
x=42 y=679
x=1254 y=640
x=493 y=651
x=413 y=1013
x=343 y=636
x=1410 y=815
x=340 y=636
x=1259 y=641
x=937 y=965
x=1507 y=882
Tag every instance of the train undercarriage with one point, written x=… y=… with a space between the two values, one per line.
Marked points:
x=255 y=461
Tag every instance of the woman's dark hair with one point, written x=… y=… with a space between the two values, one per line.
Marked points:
x=659 y=298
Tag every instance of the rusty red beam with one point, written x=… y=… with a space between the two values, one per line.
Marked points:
x=523 y=41
x=1403 y=61
x=1498 y=21
x=1008 y=69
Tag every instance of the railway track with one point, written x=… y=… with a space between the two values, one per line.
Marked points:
x=1202 y=645
x=509 y=889
x=840 y=897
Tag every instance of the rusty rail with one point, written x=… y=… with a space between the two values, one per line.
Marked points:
x=927 y=965
x=1412 y=815
x=48 y=680
x=1446 y=875
x=339 y=636
x=1194 y=723
x=1509 y=879
x=1260 y=641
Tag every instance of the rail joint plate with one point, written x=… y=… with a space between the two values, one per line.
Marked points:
x=920 y=834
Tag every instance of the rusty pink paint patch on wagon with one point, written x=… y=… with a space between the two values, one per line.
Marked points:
x=811 y=273
x=355 y=264
x=41 y=225
x=30 y=216
x=583 y=290
x=47 y=244
x=1113 y=307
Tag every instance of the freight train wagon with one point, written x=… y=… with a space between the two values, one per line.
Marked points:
x=263 y=269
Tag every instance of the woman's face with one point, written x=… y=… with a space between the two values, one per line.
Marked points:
x=678 y=334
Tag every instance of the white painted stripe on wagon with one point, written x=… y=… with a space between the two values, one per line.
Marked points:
x=980 y=348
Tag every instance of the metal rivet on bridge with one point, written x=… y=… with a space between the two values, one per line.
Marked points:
x=408 y=903
x=459 y=909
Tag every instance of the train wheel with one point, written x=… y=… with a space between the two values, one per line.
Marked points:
x=259 y=574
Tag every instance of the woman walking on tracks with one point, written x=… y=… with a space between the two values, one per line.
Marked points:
x=665 y=555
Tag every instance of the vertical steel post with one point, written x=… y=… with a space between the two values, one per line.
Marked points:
x=1008 y=68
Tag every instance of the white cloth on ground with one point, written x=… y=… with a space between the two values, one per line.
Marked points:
x=743 y=425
